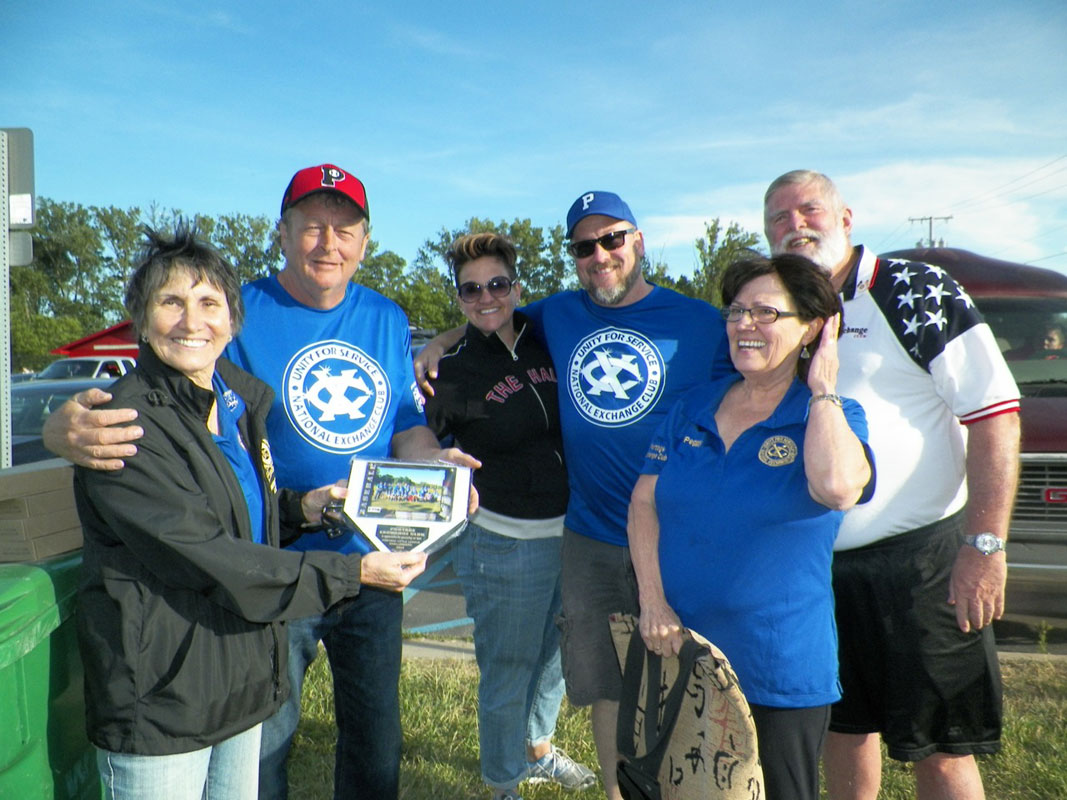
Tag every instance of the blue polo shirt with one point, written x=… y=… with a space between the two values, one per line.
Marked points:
x=744 y=550
x=230 y=406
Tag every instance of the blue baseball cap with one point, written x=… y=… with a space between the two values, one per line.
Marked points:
x=607 y=204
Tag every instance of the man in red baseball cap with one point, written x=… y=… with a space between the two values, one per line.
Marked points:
x=338 y=356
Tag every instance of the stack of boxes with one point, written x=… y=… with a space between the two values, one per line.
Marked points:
x=37 y=515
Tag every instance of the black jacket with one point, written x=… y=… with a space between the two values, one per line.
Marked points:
x=178 y=606
x=502 y=407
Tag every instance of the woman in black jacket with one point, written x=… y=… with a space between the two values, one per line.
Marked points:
x=496 y=394
x=183 y=586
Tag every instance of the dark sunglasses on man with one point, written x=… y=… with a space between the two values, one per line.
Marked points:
x=498 y=287
x=609 y=241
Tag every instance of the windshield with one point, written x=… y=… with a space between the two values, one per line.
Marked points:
x=31 y=405
x=1032 y=334
x=68 y=368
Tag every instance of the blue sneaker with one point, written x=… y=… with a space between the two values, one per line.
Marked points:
x=555 y=766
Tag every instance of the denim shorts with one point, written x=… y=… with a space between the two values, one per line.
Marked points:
x=598 y=580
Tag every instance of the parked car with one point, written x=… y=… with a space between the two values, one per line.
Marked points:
x=19 y=377
x=87 y=367
x=31 y=403
x=1021 y=303
x=419 y=338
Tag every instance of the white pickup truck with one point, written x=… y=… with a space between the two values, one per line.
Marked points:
x=87 y=367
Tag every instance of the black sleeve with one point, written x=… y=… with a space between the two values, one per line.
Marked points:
x=153 y=518
x=440 y=408
x=291 y=516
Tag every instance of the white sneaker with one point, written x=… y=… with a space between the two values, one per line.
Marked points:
x=555 y=766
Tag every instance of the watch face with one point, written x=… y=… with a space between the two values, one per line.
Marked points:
x=987 y=543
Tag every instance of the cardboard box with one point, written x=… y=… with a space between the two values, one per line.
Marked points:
x=37 y=515
x=40 y=547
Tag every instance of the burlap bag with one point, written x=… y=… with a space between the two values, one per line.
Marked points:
x=702 y=742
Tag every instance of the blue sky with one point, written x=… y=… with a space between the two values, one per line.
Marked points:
x=688 y=109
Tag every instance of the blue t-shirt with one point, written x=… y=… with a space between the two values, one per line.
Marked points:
x=744 y=550
x=621 y=369
x=229 y=408
x=342 y=379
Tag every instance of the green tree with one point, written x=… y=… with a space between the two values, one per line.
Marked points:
x=428 y=297
x=71 y=254
x=383 y=272
x=425 y=293
x=83 y=257
x=716 y=250
x=34 y=336
x=251 y=244
x=541 y=260
x=657 y=272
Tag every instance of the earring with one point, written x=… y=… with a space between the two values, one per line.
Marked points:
x=804 y=352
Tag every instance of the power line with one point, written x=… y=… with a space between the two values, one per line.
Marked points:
x=1044 y=258
x=888 y=238
x=992 y=194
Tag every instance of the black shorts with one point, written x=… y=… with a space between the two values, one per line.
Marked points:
x=597 y=581
x=907 y=670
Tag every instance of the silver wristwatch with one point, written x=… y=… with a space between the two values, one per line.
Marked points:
x=985 y=543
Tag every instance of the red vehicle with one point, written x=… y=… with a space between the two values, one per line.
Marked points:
x=1027 y=309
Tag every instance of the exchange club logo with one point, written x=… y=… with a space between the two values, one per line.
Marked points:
x=336 y=396
x=778 y=451
x=615 y=376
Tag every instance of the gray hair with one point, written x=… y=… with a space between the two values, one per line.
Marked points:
x=800 y=177
x=163 y=255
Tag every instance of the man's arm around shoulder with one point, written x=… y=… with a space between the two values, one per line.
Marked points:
x=92 y=437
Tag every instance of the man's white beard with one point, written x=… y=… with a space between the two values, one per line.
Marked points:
x=828 y=250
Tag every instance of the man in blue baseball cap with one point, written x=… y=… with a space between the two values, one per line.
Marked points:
x=625 y=350
x=605 y=268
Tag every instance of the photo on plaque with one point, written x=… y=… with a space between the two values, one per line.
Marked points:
x=407 y=505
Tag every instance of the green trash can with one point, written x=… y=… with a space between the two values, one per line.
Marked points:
x=44 y=752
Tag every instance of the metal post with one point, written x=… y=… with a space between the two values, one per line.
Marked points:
x=5 y=310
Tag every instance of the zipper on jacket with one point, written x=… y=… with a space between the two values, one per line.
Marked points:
x=540 y=402
x=274 y=661
x=514 y=355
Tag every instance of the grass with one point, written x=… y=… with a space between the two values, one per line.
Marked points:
x=440 y=758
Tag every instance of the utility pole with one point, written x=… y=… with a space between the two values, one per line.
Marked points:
x=930 y=220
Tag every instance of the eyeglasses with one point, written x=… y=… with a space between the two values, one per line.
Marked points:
x=764 y=314
x=471 y=291
x=609 y=241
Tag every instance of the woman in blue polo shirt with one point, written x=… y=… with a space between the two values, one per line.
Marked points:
x=733 y=520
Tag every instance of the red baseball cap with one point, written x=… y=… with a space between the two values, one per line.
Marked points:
x=325 y=178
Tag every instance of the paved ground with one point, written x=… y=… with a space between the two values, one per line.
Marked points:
x=434 y=608
x=433 y=604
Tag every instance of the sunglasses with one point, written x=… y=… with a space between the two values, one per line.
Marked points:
x=609 y=241
x=471 y=291
x=764 y=314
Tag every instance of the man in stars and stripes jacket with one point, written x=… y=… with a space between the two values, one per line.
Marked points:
x=919 y=572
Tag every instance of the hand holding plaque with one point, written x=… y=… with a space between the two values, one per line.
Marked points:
x=414 y=506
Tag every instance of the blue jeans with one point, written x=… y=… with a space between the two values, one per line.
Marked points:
x=512 y=592
x=226 y=771
x=362 y=639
